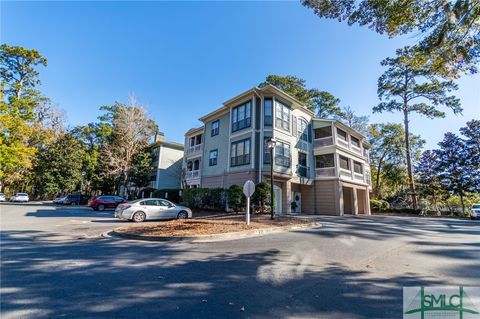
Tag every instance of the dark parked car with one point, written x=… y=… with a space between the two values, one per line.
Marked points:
x=75 y=199
x=106 y=201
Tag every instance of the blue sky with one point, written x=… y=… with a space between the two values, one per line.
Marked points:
x=183 y=59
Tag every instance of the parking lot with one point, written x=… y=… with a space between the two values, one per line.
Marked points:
x=55 y=265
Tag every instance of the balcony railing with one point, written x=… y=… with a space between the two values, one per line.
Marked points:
x=194 y=149
x=345 y=173
x=323 y=141
x=303 y=171
x=325 y=172
x=358 y=177
x=192 y=174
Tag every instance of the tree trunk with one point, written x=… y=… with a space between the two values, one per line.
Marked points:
x=409 y=160
x=377 y=181
x=463 y=203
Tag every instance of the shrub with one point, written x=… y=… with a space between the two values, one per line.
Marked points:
x=261 y=197
x=236 y=198
x=204 y=198
x=378 y=205
x=172 y=195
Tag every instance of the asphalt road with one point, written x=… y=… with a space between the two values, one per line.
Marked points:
x=54 y=265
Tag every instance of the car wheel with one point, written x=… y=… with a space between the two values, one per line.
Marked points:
x=182 y=215
x=139 y=217
x=101 y=207
x=73 y=203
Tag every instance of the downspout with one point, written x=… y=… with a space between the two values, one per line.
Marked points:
x=260 y=149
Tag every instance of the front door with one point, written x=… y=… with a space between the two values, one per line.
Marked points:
x=277 y=191
x=298 y=199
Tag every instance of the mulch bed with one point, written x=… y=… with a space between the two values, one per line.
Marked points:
x=207 y=226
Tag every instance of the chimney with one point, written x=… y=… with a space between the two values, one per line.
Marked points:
x=159 y=137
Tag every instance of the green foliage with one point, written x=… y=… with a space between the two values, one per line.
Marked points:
x=204 y=198
x=323 y=103
x=58 y=168
x=448 y=30
x=173 y=194
x=293 y=206
x=19 y=132
x=388 y=157
x=378 y=205
x=261 y=197
x=409 y=88
x=235 y=197
x=358 y=122
x=142 y=169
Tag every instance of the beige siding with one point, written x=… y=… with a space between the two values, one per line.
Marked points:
x=228 y=179
x=325 y=191
x=308 y=205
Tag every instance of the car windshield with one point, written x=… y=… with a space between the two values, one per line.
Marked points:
x=476 y=206
x=22 y=194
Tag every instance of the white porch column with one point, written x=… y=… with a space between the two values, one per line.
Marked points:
x=367 y=202
x=288 y=193
x=355 y=201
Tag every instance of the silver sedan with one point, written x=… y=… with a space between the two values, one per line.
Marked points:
x=150 y=209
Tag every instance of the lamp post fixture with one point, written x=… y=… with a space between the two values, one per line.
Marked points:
x=271 y=145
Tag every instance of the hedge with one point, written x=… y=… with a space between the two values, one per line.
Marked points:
x=172 y=195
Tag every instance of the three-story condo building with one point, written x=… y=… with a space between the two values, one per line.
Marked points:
x=321 y=164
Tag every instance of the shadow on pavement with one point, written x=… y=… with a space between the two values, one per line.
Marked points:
x=103 y=278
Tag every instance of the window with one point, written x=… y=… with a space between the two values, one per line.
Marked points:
x=324 y=161
x=323 y=132
x=344 y=163
x=198 y=139
x=282 y=154
x=164 y=203
x=212 y=160
x=196 y=165
x=241 y=116
x=282 y=116
x=341 y=134
x=149 y=202
x=215 y=127
x=302 y=159
x=267 y=112
x=357 y=167
x=355 y=141
x=302 y=131
x=266 y=151
x=190 y=166
x=240 y=153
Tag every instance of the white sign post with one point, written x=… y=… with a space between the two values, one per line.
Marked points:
x=248 y=190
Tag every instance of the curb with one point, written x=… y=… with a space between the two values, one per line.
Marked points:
x=214 y=237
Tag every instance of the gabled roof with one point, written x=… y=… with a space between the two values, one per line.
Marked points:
x=194 y=130
x=169 y=144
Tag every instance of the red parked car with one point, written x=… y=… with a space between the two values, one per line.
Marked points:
x=106 y=201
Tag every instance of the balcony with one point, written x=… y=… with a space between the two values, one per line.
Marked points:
x=303 y=171
x=192 y=174
x=195 y=149
x=323 y=141
x=325 y=172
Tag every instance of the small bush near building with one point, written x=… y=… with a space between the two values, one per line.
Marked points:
x=172 y=195
x=261 y=198
x=236 y=198
x=378 y=205
x=204 y=198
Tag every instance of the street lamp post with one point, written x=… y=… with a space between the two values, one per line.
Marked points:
x=271 y=145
